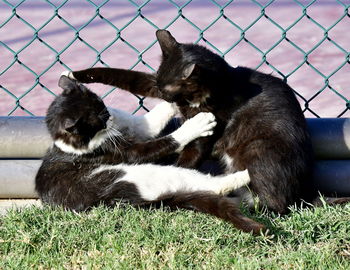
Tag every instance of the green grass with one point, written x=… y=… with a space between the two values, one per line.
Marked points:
x=127 y=238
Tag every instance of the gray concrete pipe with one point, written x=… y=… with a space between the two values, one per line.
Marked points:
x=27 y=137
x=17 y=178
x=330 y=137
x=332 y=177
x=23 y=137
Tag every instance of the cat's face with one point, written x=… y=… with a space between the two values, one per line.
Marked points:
x=77 y=118
x=181 y=75
x=180 y=84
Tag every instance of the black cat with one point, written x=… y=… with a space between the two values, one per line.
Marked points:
x=260 y=123
x=104 y=155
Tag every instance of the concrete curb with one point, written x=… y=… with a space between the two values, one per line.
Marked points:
x=6 y=205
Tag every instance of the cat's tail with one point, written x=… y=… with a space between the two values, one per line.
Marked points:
x=220 y=206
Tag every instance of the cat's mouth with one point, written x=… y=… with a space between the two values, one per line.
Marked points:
x=197 y=102
x=194 y=104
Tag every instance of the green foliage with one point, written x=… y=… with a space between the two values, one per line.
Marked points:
x=128 y=238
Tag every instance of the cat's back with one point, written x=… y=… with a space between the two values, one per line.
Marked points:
x=268 y=135
x=271 y=104
x=273 y=93
x=268 y=127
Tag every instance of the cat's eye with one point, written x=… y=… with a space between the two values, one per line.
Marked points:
x=69 y=124
x=104 y=115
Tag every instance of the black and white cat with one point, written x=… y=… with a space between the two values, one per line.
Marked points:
x=105 y=155
x=260 y=123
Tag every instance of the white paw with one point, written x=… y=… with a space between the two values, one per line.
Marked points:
x=201 y=125
x=235 y=181
x=68 y=74
x=242 y=178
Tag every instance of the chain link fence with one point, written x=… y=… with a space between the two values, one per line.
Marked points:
x=305 y=43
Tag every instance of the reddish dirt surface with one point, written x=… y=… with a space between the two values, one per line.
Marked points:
x=99 y=34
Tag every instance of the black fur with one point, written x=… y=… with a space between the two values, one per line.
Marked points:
x=66 y=179
x=75 y=117
x=260 y=123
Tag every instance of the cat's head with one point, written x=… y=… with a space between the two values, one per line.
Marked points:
x=187 y=71
x=77 y=119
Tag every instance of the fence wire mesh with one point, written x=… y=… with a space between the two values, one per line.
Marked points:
x=304 y=42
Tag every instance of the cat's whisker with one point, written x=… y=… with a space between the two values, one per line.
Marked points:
x=113 y=140
x=116 y=133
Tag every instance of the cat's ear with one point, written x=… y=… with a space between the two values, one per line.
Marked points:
x=166 y=41
x=70 y=125
x=67 y=84
x=190 y=70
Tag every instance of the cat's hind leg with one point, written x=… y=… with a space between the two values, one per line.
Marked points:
x=231 y=182
x=153 y=181
x=146 y=184
x=219 y=206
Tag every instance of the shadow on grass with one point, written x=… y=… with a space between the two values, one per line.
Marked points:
x=266 y=217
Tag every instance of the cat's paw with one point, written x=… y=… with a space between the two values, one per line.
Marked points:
x=68 y=74
x=201 y=125
x=234 y=181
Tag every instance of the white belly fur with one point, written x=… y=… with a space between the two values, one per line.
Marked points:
x=153 y=181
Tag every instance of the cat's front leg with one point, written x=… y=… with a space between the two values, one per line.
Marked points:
x=194 y=153
x=153 y=122
x=136 y=82
x=201 y=125
x=146 y=126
